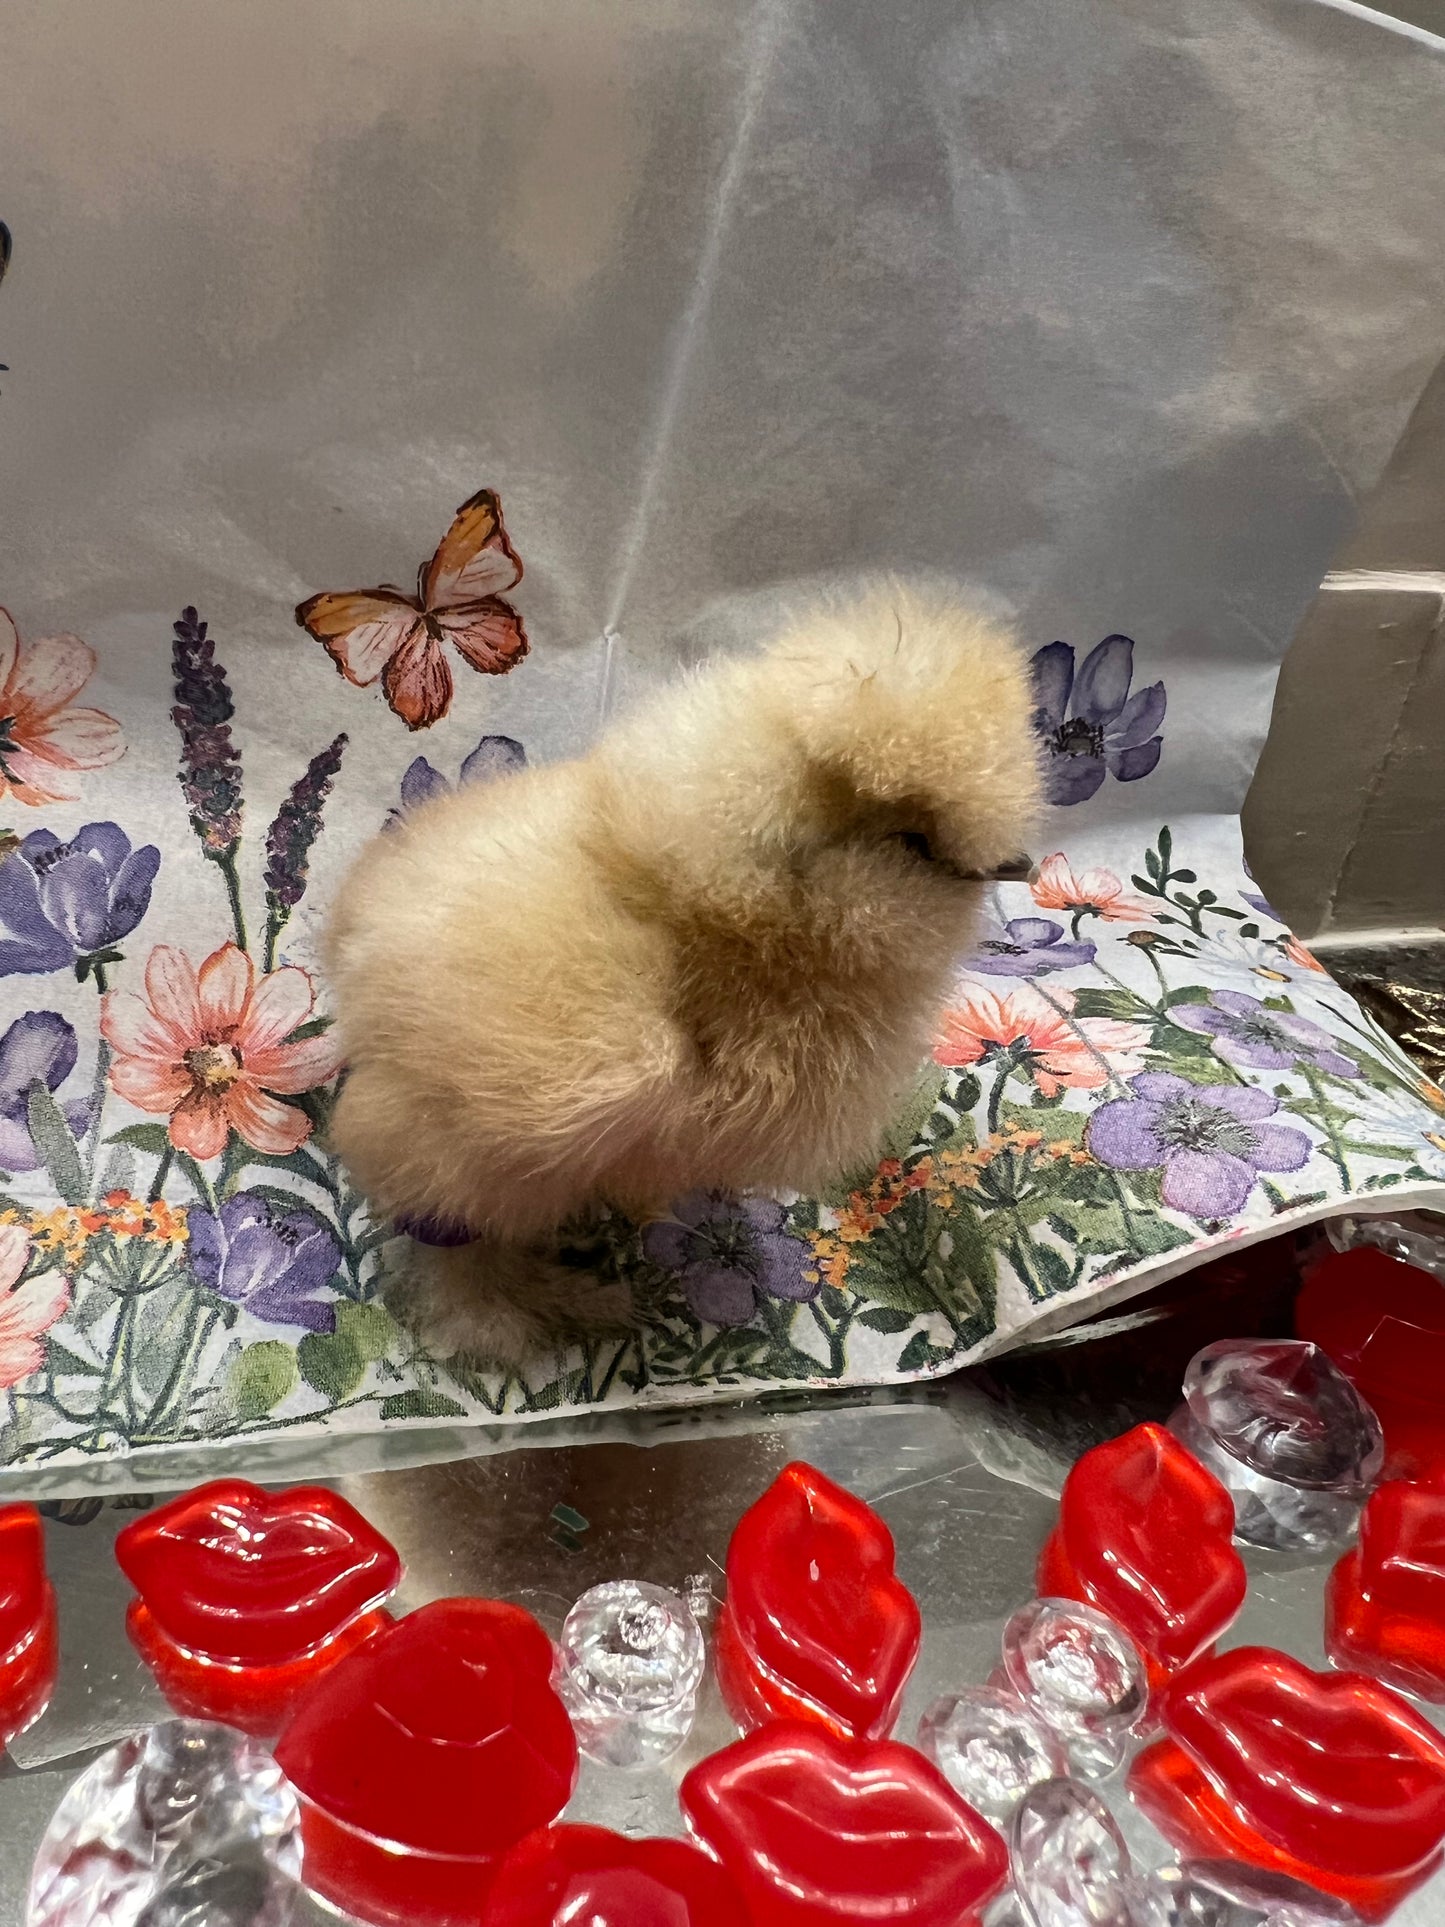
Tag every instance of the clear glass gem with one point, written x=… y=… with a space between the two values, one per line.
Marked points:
x=176 y=1797
x=242 y=1890
x=1415 y=1237
x=1070 y=1865
x=630 y=1661
x=697 y=1591
x=1078 y=1672
x=1223 y=1893
x=1287 y=1433
x=989 y=1748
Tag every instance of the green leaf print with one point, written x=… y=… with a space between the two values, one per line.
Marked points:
x=55 y=1144
x=330 y=1364
x=262 y=1377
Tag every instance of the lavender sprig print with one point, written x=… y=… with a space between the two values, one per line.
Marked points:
x=210 y=772
x=290 y=838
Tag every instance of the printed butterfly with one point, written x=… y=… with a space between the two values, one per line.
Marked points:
x=401 y=638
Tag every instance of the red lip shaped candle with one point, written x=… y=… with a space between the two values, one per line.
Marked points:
x=1385 y=1601
x=1329 y=1778
x=247 y=1597
x=1383 y=1323
x=1146 y=1535
x=424 y=1757
x=568 y=1876
x=29 y=1635
x=817 y=1830
x=817 y=1625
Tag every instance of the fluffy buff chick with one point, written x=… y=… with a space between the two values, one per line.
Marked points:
x=707 y=955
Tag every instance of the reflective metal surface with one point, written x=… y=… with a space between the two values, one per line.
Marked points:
x=966 y=1475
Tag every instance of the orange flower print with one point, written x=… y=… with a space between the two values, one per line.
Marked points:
x=210 y=1046
x=1053 y=1047
x=26 y=1310
x=42 y=737
x=1097 y=893
x=1298 y=954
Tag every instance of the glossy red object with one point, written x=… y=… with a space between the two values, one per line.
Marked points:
x=1146 y=1534
x=817 y=1625
x=816 y=1829
x=1328 y=1777
x=588 y=1877
x=1383 y=1323
x=29 y=1635
x=1385 y=1600
x=424 y=1757
x=247 y=1597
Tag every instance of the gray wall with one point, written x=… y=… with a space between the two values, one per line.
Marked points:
x=1345 y=821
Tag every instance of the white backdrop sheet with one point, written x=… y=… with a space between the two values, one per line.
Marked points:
x=1113 y=310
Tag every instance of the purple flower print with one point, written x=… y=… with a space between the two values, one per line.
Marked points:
x=1027 y=947
x=277 y=1264
x=1211 y=1141
x=1257 y=903
x=446 y=1233
x=38 y=1048
x=727 y=1250
x=297 y=825
x=1248 y=1036
x=210 y=761
x=493 y=756
x=1089 y=723
x=69 y=903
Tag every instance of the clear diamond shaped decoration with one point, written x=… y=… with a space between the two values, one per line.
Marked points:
x=989 y=1748
x=1287 y=1434
x=183 y=1816
x=1225 y=1893
x=1071 y=1866
x=1081 y=1674
x=629 y=1664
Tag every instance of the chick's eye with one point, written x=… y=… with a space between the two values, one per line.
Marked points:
x=917 y=844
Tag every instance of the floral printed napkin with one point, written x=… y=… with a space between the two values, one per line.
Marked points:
x=1137 y=1064
x=747 y=301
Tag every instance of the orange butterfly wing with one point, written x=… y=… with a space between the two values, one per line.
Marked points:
x=490 y=636
x=363 y=631
x=462 y=587
x=474 y=560
x=417 y=682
